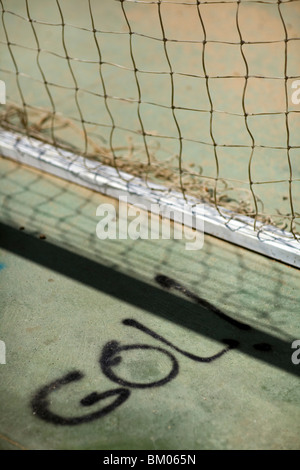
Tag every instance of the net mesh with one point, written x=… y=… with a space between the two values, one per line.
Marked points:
x=195 y=94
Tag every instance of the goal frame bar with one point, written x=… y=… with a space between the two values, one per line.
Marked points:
x=234 y=228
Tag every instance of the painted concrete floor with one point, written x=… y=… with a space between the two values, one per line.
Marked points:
x=99 y=355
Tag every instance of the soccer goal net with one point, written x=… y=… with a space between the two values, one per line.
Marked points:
x=185 y=102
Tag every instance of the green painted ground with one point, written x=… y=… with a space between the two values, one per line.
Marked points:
x=65 y=295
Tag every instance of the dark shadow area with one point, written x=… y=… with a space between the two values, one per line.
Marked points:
x=191 y=312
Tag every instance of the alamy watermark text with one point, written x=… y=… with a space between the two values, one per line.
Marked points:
x=134 y=222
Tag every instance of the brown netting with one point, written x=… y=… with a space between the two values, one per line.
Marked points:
x=187 y=160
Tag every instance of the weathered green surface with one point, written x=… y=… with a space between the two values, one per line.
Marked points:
x=64 y=297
